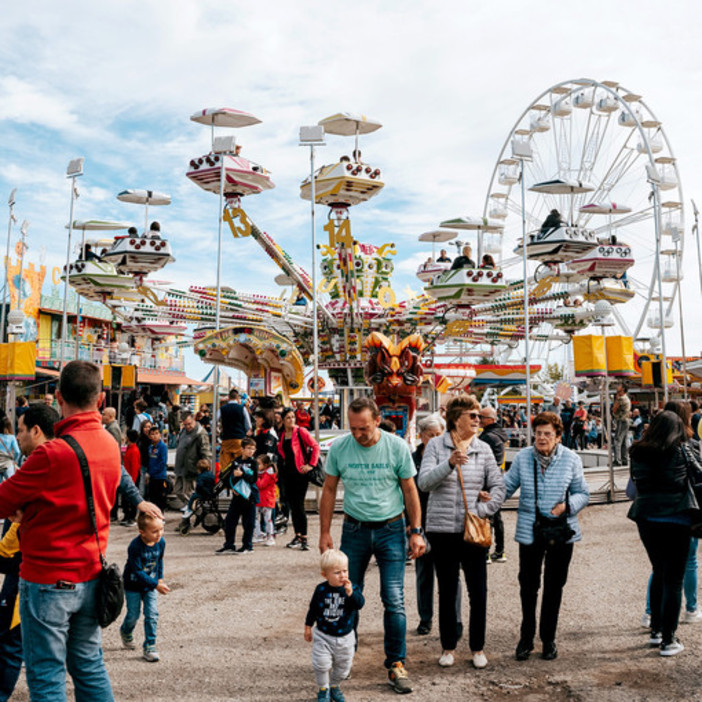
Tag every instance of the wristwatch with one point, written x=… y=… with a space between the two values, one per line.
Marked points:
x=416 y=530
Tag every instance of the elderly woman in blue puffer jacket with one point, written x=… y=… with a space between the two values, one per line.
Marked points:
x=459 y=449
x=548 y=471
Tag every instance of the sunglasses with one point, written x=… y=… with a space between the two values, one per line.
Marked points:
x=472 y=415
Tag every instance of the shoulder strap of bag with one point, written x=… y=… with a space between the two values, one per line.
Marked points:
x=87 y=485
x=463 y=490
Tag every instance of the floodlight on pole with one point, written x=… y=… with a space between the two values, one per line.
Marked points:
x=313 y=136
x=6 y=291
x=74 y=170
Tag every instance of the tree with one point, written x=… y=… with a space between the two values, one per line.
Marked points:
x=554 y=373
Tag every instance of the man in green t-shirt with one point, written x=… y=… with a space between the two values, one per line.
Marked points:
x=377 y=471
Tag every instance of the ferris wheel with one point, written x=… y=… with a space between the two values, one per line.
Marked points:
x=596 y=153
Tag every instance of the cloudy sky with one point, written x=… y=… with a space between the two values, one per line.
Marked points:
x=115 y=82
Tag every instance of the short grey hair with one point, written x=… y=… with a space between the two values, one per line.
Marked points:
x=433 y=421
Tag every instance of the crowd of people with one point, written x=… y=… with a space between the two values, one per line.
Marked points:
x=398 y=507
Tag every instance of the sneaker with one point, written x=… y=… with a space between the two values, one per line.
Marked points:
x=225 y=551
x=295 y=543
x=259 y=539
x=151 y=655
x=646 y=621
x=127 y=641
x=127 y=523
x=692 y=617
x=398 y=678
x=304 y=546
x=335 y=694
x=479 y=660
x=242 y=551
x=499 y=557
x=446 y=660
x=656 y=638
x=424 y=628
x=488 y=560
x=672 y=649
x=270 y=541
x=323 y=694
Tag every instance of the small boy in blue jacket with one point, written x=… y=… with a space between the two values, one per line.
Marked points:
x=157 y=472
x=143 y=579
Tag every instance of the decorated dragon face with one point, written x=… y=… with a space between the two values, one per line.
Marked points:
x=394 y=369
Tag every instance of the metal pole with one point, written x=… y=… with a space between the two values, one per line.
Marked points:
x=696 y=232
x=82 y=253
x=682 y=323
x=215 y=375
x=6 y=292
x=526 y=310
x=315 y=338
x=64 y=318
x=656 y=218
x=608 y=421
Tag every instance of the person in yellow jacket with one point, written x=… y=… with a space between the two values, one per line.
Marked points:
x=35 y=427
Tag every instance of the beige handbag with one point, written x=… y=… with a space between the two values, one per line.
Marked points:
x=476 y=530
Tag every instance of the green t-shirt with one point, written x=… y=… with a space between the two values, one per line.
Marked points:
x=371 y=476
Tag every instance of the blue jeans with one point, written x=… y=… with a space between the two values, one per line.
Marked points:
x=389 y=546
x=10 y=661
x=134 y=600
x=60 y=631
x=689 y=580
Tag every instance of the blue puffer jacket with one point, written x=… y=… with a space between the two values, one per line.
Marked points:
x=565 y=471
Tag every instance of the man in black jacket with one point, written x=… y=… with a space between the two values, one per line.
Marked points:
x=496 y=438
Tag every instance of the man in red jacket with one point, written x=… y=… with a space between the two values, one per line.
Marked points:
x=60 y=560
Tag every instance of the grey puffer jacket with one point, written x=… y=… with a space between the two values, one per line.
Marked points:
x=445 y=510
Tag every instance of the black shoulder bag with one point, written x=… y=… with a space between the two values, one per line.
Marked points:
x=550 y=531
x=694 y=479
x=110 y=589
x=317 y=475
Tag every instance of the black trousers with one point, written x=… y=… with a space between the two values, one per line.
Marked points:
x=451 y=552
x=295 y=489
x=246 y=510
x=556 y=561
x=156 y=491
x=667 y=546
x=498 y=527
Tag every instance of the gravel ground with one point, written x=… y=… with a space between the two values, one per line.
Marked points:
x=232 y=627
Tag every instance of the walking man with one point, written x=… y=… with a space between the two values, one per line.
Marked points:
x=377 y=471
x=60 y=560
x=193 y=445
x=236 y=424
x=621 y=412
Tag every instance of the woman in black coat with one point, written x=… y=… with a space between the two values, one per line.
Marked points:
x=663 y=508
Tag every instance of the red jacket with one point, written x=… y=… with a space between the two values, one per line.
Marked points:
x=301 y=435
x=303 y=418
x=132 y=462
x=58 y=542
x=266 y=488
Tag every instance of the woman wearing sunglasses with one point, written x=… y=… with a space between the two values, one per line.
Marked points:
x=483 y=492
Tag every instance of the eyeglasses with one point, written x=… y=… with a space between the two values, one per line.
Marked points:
x=472 y=415
x=545 y=434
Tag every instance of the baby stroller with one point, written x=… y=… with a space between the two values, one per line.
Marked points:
x=206 y=513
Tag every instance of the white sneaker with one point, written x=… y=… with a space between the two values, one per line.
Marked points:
x=446 y=660
x=646 y=621
x=656 y=638
x=261 y=538
x=672 y=649
x=270 y=541
x=151 y=655
x=479 y=660
x=692 y=617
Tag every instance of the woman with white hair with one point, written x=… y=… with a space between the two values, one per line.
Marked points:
x=428 y=428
